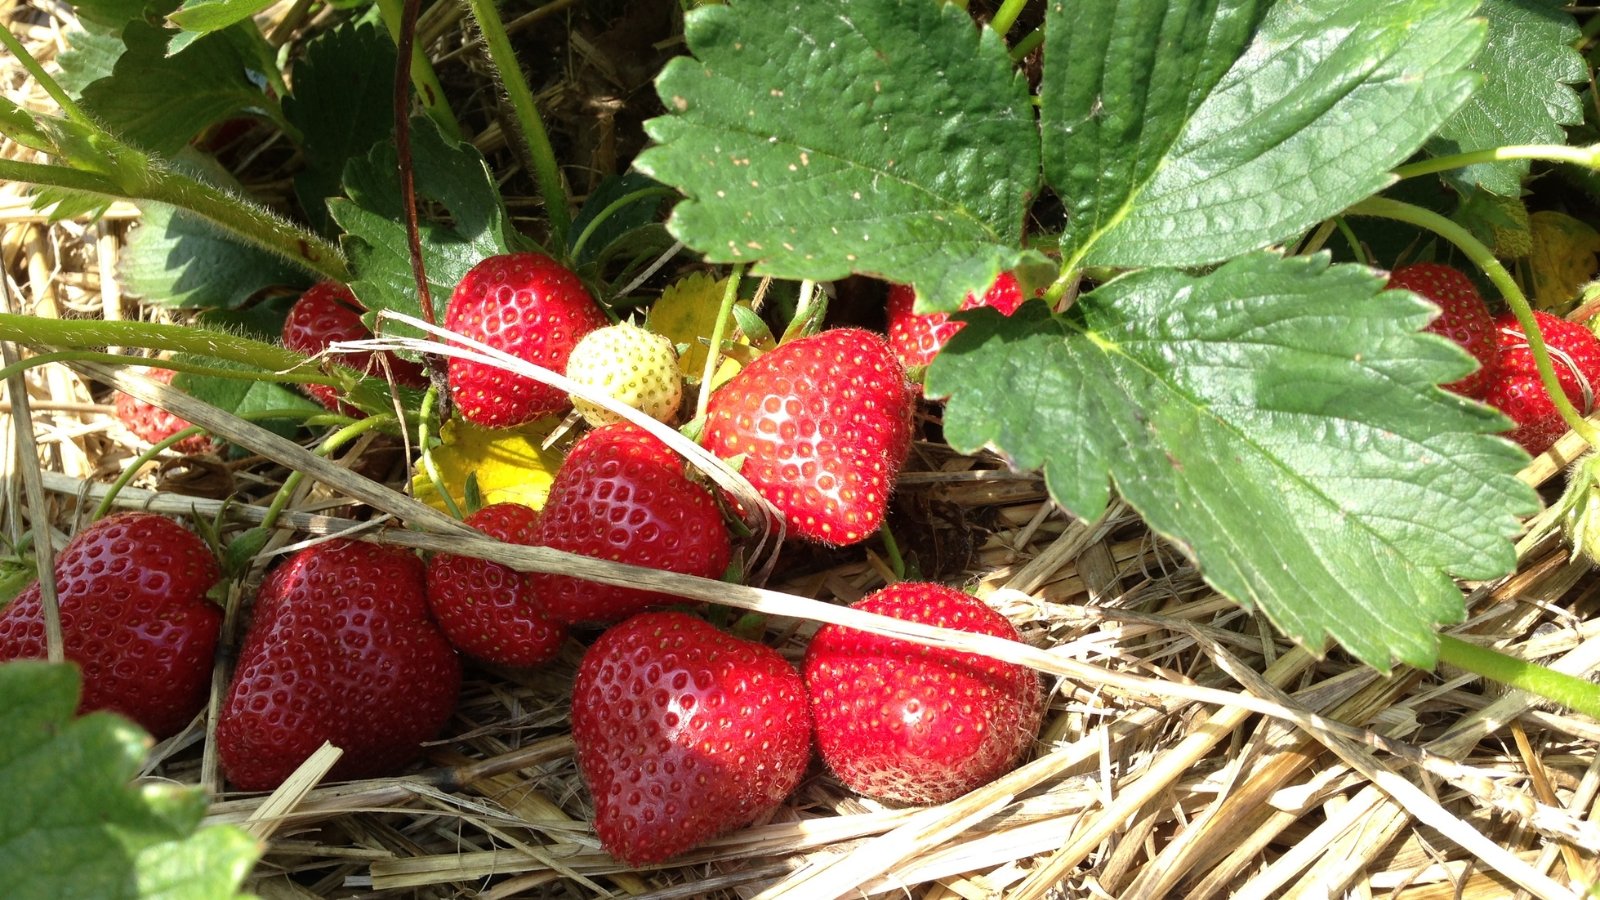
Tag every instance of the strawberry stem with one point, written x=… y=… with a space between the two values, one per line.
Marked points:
x=1027 y=45
x=612 y=209
x=1588 y=157
x=430 y=400
x=331 y=443
x=82 y=336
x=1567 y=690
x=1006 y=16
x=541 y=157
x=714 y=352
x=1483 y=257
x=429 y=91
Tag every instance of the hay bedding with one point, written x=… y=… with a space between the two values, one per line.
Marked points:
x=1201 y=756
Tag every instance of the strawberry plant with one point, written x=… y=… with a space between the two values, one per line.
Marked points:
x=1273 y=253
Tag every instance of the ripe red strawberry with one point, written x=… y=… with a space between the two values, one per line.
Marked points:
x=328 y=312
x=1516 y=390
x=134 y=617
x=154 y=424
x=622 y=495
x=341 y=649
x=490 y=610
x=917 y=339
x=531 y=307
x=1463 y=317
x=824 y=424
x=917 y=724
x=684 y=733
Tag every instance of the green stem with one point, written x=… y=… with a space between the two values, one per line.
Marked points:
x=138 y=463
x=1567 y=690
x=1483 y=257
x=329 y=444
x=714 y=352
x=1006 y=16
x=426 y=81
x=525 y=117
x=230 y=212
x=610 y=210
x=1027 y=45
x=88 y=334
x=51 y=86
x=891 y=549
x=1588 y=157
x=176 y=365
x=1343 y=224
x=429 y=468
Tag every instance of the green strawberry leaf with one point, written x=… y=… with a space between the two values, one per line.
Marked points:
x=1328 y=96
x=343 y=104
x=175 y=259
x=76 y=826
x=453 y=174
x=1528 y=64
x=243 y=396
x=139 y=102
x=817 y=138
x=212 y=15
x=1121 y=81
x=1278 y=420
x=90 y=56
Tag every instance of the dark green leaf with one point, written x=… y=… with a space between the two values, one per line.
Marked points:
x=1327 y=98
x=1121 y=81
x=1278 y=419
x=343 y=104
x=90 y=55
x=75 y=826
x=159 y=102
x=175 y=259
x=1528 y=65
x=816 y=138
x=244 y=396
x=110 y=16
x=456 y=176
x=637 y=201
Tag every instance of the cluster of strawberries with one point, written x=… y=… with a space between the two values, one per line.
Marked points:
x=682 y=731
x=1506 y=377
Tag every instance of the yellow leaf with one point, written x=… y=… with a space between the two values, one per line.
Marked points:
x=1563 y=259
x=509 y=464
x=686 y=314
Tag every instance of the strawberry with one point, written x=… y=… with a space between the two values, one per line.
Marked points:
x=134 y=617
x=1516 y=390
x=341 y=649
x=531 y=307
x=917 y=724
x=328 y=312
x=1463 y=317
x=487 y=609
x=622 y=495
x=917 y=339
x=637 y=367
x=152 y=423
x=684 y=733
x=824 y=425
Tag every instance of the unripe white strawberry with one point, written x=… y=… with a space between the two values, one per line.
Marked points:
x=637 y=367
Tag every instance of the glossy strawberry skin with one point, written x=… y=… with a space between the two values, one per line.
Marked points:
x=340 y=649
x=621 y=494
x=1463 y=318
x=328 y=312
x=489 y=610
x=134 y=617
x=916 y=724
x=684 y=733
x=154 y=424
x=531 y=307
x=917 y=339
x=1516 y=390
x=824 y=425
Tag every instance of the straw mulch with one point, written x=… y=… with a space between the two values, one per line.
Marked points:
x=1187 y=750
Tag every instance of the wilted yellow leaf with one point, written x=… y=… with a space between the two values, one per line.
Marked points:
x=1563 y=259
x=509 y=464
x=686 y=314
